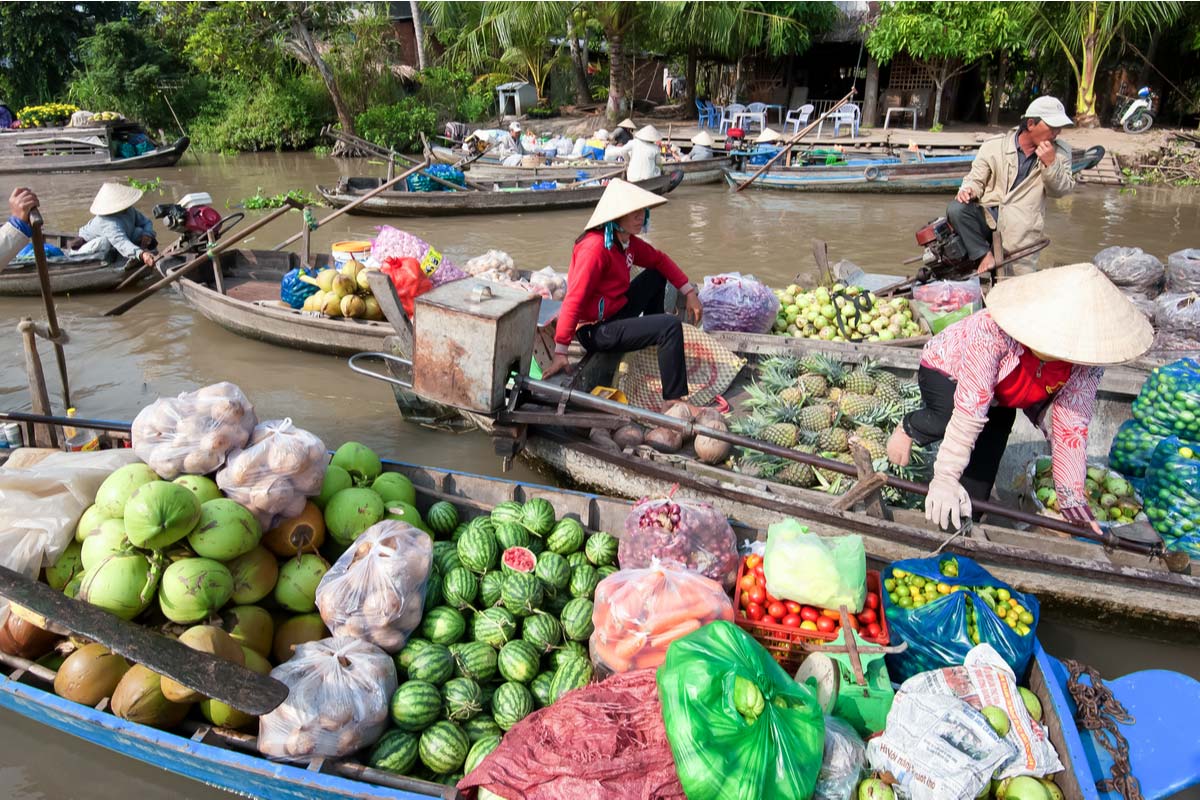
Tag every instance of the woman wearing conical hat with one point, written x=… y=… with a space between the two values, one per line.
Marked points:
x=606 y=310
x=1040 y=346
x=117 y=225
x=702 y=145
x=643 y=155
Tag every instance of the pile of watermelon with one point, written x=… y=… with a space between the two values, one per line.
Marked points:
x=508 y=613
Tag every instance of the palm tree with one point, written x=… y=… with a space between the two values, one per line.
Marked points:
x=418 y=33
x=1084 y=30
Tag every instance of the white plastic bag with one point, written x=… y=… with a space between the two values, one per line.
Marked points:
x=192 y=434
x=338 y=694
x=279 y=466
x=376 y=590
x=811 y=570
x=843 y=762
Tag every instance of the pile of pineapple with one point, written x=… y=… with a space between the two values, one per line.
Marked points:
x=343 y=292
x=815 y=404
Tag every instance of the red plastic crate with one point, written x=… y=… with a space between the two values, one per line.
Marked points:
x=782 y=642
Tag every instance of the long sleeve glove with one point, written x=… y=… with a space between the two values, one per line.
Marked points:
x=947 y=500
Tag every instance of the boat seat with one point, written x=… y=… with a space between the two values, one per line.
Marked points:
x=254 y=291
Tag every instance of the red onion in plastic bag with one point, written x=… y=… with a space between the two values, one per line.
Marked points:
x=689 y=534
x=736 y=302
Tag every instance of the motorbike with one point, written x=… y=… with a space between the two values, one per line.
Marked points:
x=1136 y=114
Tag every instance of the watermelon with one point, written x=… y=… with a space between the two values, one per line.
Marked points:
x=574 y=673
x=519 y=661
x=415 y=705
x=480 y=750
x=542 y=631
x=443 y=747
x=443 y=625
x=460 y=587
x=565 y=537
x=458 y=532
x=522 y=593
x=509 y=511
x=445 y=556
x=605 y=571
x=480 y=726
x=482 y=523
x=584 y=580
x=478 y=550
x=464 y=699
x=490 y=586
x=511 y=703
x=433 y=590
x=474 y=660
x=442 y=518
x=578 y=559
x=433 y=664
x=567 y=651
x=536 y=545
x=601 y=549
x=518 y=559
x=396 y=751
x=577 y=619
x=540 y=687
x=410 y=649
x=538 y=516
x=496 y=626
x=553 y=571
x=510 y=534
x=555 y=602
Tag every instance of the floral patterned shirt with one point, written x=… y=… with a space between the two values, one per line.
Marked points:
x=977 y=355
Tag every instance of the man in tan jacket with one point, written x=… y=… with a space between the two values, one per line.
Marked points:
x=1011 y=177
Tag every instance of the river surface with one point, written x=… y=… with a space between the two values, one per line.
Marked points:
x=117 y=365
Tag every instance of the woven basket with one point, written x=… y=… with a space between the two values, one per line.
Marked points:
x=711 y=368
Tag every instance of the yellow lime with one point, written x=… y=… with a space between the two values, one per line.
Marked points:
x=1012 y=601
x=943 y=588
x=1025 y=617
x=1003 y=594
x=1187 y=452
x=1001 y=612
x=914 y=591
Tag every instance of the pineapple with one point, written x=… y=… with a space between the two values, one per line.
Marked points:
x=815 y=418
x=793 y=395
x=875 y=446
x=797 y=474
x=812 y=384
x=856 y=405
x=783 y=434
x=835 y=394
x=836 y=440
x=859 y=381
x=883 y=377
x=775 y=376
x=887 y=392
x=834 y=482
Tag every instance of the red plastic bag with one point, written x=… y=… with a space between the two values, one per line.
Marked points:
x=408 y=278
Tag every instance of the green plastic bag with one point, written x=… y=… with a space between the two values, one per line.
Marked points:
x=739 y=727
x=815 y=571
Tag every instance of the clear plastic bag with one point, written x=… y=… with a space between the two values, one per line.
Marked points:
x=193 y=434
x=1169 y=402
x=376 y=589
x=1173 y=494
x=639 y=612
x=1132 y=449
x=394 y=243
x=1183 y=271
x=810 y=570
x=493 y=260
x=691 y=535
x=279 y=466
x=1131 y=268
x=843 y=763
x=1177 y=321
x=942 y=303
x=338 y=694
x=736 y=302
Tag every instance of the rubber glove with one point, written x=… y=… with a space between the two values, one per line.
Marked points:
x=947 y=501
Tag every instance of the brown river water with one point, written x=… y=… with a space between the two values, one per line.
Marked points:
x=161 y=347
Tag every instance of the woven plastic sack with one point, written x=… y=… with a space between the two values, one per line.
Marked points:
x=1169 y=403
x=814 y=571
x=843 y=762
x=1132 y=449
x=195 y=432
x=736 y=302
x=937 y=632
x=1131 y=268
x=376 y=589
x=711 y=369
x=338 y=694
x=740 y=728
x=1183 y=271
x=639 y=612
x=679 y=533
x=1173 y=494
x=279 y=466
x=1177 y=321
x=394 y=243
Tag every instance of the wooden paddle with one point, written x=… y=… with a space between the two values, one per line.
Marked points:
x=603 y=176
x=213 y=677
x=43 y=270
x=787 y=146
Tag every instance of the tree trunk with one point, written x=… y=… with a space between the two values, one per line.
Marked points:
x=1085 y=103
x=1001 y=79
x=870 y=116
x=939 y=81
x=583 y=93
x=616 y=74
x=1151 y=52
x=304 y=38
x=418 y=33
x=689 y=74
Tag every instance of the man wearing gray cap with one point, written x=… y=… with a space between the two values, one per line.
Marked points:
x=1010 y=178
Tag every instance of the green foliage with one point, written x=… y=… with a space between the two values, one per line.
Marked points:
x=455 y=94
x=946 y=30
x=362 y=54
x=155 y=184
x=259 y=201
x=728 y=30
x=224 y=39
x=248 y=115
x=398 y=126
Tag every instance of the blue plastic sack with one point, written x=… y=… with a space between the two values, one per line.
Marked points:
x=937 y=633
x=1169 y=403
x=1172 y=496
x=294 y=291
x=50 y=250
x=1132 y=449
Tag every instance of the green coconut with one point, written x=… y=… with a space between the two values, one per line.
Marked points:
x=205 y=639
x=65 y=567
x=122 y=584
x=193 y=589
x=139 y=698
x=406 y=512
x=296 y=589
x=394 y=488
x=254 y=575
x=204 y=488
x=108 y=540
x=90 y=521
x=251 y=626
x=350 y=512
x=336 y=479
x=296 y=631
x=360 y=461
x=226 y=530
x=118 y=487
x=160 y=513
x=224 y=716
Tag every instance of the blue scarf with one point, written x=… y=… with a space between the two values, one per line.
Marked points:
x=611 y=229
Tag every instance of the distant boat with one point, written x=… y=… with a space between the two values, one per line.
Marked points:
x=86 y=149
x=490 y=167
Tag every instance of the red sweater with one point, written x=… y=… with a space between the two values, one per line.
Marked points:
x=599 y=276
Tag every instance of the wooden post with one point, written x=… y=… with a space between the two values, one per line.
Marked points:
x=43 y=435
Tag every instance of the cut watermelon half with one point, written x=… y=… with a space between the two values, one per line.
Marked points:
x=518 y=559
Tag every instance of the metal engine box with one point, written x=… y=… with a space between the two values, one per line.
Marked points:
x=468 y=336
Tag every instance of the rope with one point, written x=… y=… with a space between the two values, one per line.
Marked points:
x=1099 y=712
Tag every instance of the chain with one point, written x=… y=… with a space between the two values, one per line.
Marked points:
x=1098 y=711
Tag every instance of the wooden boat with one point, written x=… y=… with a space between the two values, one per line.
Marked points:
x=512 y=196
x=85 y=149
x=67 y=276
x=491 y=168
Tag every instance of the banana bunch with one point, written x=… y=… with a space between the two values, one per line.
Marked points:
x=343 y=293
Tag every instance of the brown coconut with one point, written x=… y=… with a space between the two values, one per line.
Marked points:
x=250 y=626
x=20 y=637
x=139 y=698
x=630 y=435
x=681 y=412
x=665 y=440
x=302 y=534
x=90 y=674
x=206 y=639
x=297 y=630
x=709 y=450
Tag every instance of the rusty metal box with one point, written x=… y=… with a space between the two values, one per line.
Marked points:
x=468 y=336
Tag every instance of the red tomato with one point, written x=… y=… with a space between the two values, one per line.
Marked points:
x=745 y=599
x=755 y=612
x=872 y=600
x=758 y=595
x=777 y=610
x=747 y=582
x=874 y=631
x=792 y=620
x=758 y=574
x=792 y=606
x=753 y=561
x=809 y=613
x=832 y=613
x=867 y=617
x=825 y=625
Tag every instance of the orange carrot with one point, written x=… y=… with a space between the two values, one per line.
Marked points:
x=628 y=646
x=665 y=637
x=650 y=658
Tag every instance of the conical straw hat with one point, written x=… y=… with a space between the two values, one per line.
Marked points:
x=627 y=123
x=648 y=134
x=766 y=136
x=113 y=198
x=1072 y=313
x=702 y=138
x=620 y=198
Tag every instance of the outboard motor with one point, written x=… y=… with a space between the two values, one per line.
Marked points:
x=945 y=255
x=192 y=218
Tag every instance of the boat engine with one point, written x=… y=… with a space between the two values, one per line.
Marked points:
x=193 y=218
x=945 y=255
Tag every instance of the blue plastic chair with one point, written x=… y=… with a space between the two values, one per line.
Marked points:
x=706 y=114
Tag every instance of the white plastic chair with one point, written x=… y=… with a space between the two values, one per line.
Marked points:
x=730 y=114
x=846 y=115
x=755 y=113
x=797 y=117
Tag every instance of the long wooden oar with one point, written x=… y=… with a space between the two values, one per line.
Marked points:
x=787 y=146
x=43 y=271
x=383 y=187
x=220 y=247
x=213 y=677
